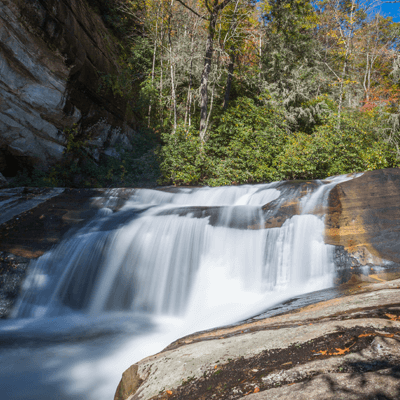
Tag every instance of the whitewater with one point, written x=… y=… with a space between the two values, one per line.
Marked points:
x=164 y=265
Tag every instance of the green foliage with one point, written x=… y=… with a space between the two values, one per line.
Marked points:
x=34 y=178
x=241 y=148
x=111 y=11
x=251 y=143
x=329 y=151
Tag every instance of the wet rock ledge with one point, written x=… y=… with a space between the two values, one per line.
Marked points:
x=33 y=220
x=342 y=348
x=363 y=222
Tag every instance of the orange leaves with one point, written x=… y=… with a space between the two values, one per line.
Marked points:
x=341 y=351
x=366 y=335
x=338 y=352
x=321 y=353
x=256 y=390
x=393 y=317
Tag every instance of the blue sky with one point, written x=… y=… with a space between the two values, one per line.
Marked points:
x=391 y=10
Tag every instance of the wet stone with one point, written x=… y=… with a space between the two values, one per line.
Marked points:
x=12 y=272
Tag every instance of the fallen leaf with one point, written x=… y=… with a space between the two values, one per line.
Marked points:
x=366 y=334
x=256 y=390
x=392 y=317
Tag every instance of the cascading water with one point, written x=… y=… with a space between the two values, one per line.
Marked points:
x=164 y=265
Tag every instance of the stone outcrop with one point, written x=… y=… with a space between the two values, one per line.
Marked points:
x=52 y=55
x=318 y=352
x=363 y=220
x=12 y=271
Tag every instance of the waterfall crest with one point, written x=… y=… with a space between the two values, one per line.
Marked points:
x=171 y=252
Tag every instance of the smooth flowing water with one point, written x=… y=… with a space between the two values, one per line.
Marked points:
x=164 y=265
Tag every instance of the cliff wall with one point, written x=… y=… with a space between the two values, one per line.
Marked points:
x=52 y=56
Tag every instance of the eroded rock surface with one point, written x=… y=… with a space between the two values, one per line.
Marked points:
x=310 y=353
x=51 y=56
x=363 y=221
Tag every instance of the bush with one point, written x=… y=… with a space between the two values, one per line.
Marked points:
x=251 y=143
x=241 y=148
x=329 y=151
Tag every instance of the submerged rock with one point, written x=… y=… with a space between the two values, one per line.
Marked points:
x=12 y=272
x=3 y=181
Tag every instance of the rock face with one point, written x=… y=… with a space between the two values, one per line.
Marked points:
x=363 y=221
x=51 y=55
x=322 y=351
x=12 y=271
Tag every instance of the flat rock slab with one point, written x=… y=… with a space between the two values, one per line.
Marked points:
x=353 y=386
x=310 y=353
x=33 y=220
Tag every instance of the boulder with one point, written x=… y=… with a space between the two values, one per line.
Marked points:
x=347 y=346
x=363 y=221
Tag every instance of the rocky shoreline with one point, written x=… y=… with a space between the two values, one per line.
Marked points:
x=324 y=349
x=321 y=351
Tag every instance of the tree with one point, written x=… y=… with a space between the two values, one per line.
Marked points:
x=213 y=7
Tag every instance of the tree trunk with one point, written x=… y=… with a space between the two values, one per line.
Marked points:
x=172 y=69
x=230 y=78
x=189 y=96
x=205 y=75
x=152 y=76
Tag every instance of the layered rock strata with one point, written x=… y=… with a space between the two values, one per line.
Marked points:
x=363 y=221
x=52 y=55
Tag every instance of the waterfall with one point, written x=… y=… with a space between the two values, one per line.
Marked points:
x=161 y=264
x=156 y=253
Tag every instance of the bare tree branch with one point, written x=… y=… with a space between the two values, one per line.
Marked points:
x=191 y=9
